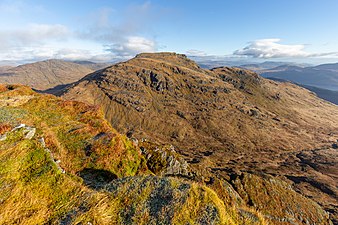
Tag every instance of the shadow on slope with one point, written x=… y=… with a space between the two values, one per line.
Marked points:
x=96 y=178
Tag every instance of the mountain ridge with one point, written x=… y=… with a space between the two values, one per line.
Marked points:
x=323 y=76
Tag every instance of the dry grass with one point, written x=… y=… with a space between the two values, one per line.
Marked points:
x=35 y=191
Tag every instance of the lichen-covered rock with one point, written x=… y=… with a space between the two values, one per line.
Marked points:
x=163 y=160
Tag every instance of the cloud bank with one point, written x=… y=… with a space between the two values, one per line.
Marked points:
x=271 y=48
x=194 y=52
x=131 y=46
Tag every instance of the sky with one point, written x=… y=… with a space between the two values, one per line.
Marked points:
x=108 y=30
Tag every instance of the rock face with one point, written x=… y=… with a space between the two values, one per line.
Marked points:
x=46 y=74
x=164 y=161
x=219 y=120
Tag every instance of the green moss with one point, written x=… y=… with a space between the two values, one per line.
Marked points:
x=11 y=115
x=36 y=163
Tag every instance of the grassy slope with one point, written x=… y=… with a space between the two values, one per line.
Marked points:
x=35 y=191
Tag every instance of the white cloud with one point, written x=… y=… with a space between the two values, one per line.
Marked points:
x=125 y=38
x=33 y=34
x=132 y=46
x=194 y=52
x=72 y=54
x=271 y=48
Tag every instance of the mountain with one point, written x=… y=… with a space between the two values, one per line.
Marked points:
x=62 y=163
x=209 y=62
x=258 y=67
x=45 y=74
x=92 y=65
x=329 y=66
x=229 y=124
x=4 y=68
x=324 y=76
x=212 y=62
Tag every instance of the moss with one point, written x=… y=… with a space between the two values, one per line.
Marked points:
x=70 y=128
x=36 y=163
x=11 y=115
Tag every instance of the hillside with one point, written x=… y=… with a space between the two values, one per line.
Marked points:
x=4 y=68
x=223 y=121
x=62 y=163
x=328 y=95
x=92 y=65
x=45 y=74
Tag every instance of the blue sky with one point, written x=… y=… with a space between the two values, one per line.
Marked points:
x=106 y=30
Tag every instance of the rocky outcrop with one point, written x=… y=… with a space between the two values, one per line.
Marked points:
x=163 y=160
x=165 y=201
x=26 y=131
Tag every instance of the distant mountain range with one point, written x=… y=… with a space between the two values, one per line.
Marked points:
x=209 y=62
x=321 y=79
x=324 y=76
x=47 y=74
x=259 y=67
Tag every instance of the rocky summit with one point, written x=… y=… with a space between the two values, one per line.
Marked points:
x=257 y=143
